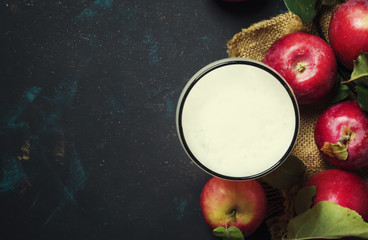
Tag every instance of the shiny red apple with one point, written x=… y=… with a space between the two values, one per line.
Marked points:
x=242 y=204
x=306 y=62
x=343 y=188
x=341 y=133
x=348 y=31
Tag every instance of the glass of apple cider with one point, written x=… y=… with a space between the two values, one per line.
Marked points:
x=237 y=119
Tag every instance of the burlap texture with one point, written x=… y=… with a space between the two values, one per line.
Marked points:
x=253 y=42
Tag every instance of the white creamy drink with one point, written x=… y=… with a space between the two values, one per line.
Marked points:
x=237 y=119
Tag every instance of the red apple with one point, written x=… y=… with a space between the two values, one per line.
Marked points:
x=341 y=133
x=348 y=31
x=306 y=62
x=242 y=204
x=343 y=188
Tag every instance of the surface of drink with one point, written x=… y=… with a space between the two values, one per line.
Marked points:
x=237 y=119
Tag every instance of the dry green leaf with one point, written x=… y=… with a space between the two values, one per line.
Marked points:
x=288 y=174
x=303 y=200
x=339 y=150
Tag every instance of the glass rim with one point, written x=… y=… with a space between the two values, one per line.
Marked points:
x=201 y=73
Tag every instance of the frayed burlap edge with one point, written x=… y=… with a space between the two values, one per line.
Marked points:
x=254 y=41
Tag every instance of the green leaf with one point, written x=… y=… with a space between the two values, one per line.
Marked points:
x=235 y=233
x=329 y=221
x=219 y=232
x=231 y=233
x=288 y=174
x=342 y=92
x=360 y=71
x=362 y=97
x=306 y=10
x=303 y=200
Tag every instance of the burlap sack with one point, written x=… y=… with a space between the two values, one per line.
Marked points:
x=253 y=43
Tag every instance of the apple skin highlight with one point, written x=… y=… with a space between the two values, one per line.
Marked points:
x=225 y=203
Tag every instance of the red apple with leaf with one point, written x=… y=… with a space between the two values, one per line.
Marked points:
x=230 y=205
x=332 y=205
x=341 y=134
x=348 y=31
x=306 y=62
x=343 y=188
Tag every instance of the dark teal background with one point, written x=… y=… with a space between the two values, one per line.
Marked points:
x=88 y=93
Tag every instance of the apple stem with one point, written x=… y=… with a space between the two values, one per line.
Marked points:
x=232 y=216
x=347 y=136
x=300 y=67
